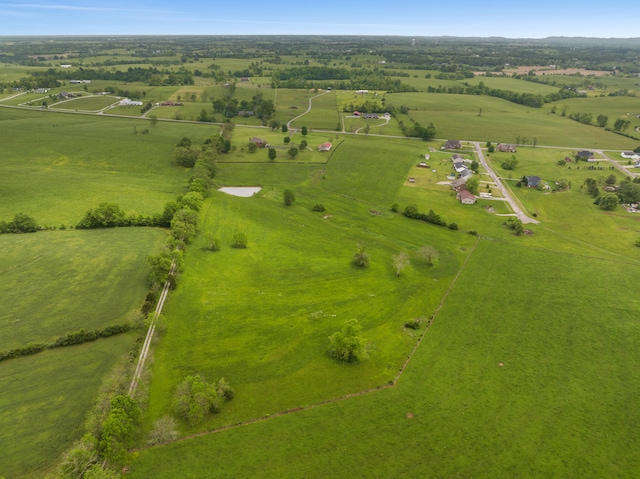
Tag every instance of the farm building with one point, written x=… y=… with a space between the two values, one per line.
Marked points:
x=171 y=103
x=452 y=145
x=259 y=142
x=533 y=181
x=509 y=148
x=465 y=197
x=325 y=146
x=129 y=102
x=244 y=78
x=362 y=92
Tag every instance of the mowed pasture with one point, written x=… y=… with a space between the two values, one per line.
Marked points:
x=92 y=103
x=57 y=282
x=298 y=278
x=79 y=161
x=44 y=400
x=517 y=376
x=485 y=118
x=323 y=115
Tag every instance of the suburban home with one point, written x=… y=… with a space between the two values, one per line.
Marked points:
x=459 y=184
x=584 y=154
x=244 y=78
x=370 y=116
x=533 y=181
x=259 y=142
x=452 y=145
x=466 y=174
x=507 y=147
x=356 y=113
x=630 y=155
x=325 y=146
x=465 y=197
x=41 y=90
x=459 y=166
x=456 y=157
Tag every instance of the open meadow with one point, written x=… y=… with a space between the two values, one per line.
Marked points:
x=507 y=356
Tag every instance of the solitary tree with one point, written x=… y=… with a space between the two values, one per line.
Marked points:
x=348 y=345
x=367 y=128
x=608 y=201
x=429 y=255
x=272 y=153
x=284 y=128
x=360 y=258
x=602 y=120
x=303 y=130
x=473 y=184
x=212 y=242
x=535 y=141
x=289 y=197
x=400 y=261
x=611 y=180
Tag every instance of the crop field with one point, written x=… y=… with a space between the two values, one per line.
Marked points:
x=44 y=400
x=80 y=161
x=515 y=344
x=57 y=282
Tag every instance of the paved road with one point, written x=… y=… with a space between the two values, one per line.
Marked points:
x=505 y=191
x=625 y=171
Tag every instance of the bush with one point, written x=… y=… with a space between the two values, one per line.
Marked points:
x=395 y=207
x=473 y=232
x=287 y=139
x=318 y=208
x=360 y=258
x=239 y=241
x=413 y=323
x=453 y=226
x=288 y=197
x=194 y=398
x=348 y=345
x=164 y=431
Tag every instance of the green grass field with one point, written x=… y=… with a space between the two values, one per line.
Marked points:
x=517 y=377
x=80 y=161
x=94 y=103
x=57 y=282
x=323 y=115
x=44 y=400
x=458 y=116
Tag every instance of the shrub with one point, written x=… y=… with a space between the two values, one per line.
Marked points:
x=473 y=232
x=453 y=226
x=287 y=139
x=318 y=208
x=360 y=258
x=413 y=323
x=348 y=345
x=164 y=431
x=395 y=207
x=239 y=241
x=288 y=197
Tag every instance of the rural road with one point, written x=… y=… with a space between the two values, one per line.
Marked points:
x=617 y=165
x=505 y=191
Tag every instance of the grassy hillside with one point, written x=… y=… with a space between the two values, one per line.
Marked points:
x=61 y=281
x=515 y=378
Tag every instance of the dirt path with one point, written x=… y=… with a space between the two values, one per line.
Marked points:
x=347 y=396
x=308 y=109
x=152 y=329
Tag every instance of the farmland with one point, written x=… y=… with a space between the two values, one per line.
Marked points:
x=523 y=360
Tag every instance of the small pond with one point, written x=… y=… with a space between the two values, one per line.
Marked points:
x=244 y=191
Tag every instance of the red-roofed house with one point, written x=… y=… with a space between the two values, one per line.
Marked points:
x=465 y=197
x=325 y=146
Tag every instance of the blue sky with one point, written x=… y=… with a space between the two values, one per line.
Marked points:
x=526 y=19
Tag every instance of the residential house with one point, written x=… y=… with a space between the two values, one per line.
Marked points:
x=41 y=90
x=466 y=197
x=459 y=166
x=631 y=155
x=507 y=147
x=259 y=142
x=325 y=146
x=533 y=181
x=452 y=145
x=584 y=154
x=459 y=184
x=466 y=174
x=356 y=113
x=370 y=116
x=244 y=78
x=171 y=103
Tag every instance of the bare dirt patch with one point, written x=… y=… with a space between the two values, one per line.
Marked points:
x=409 y=415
